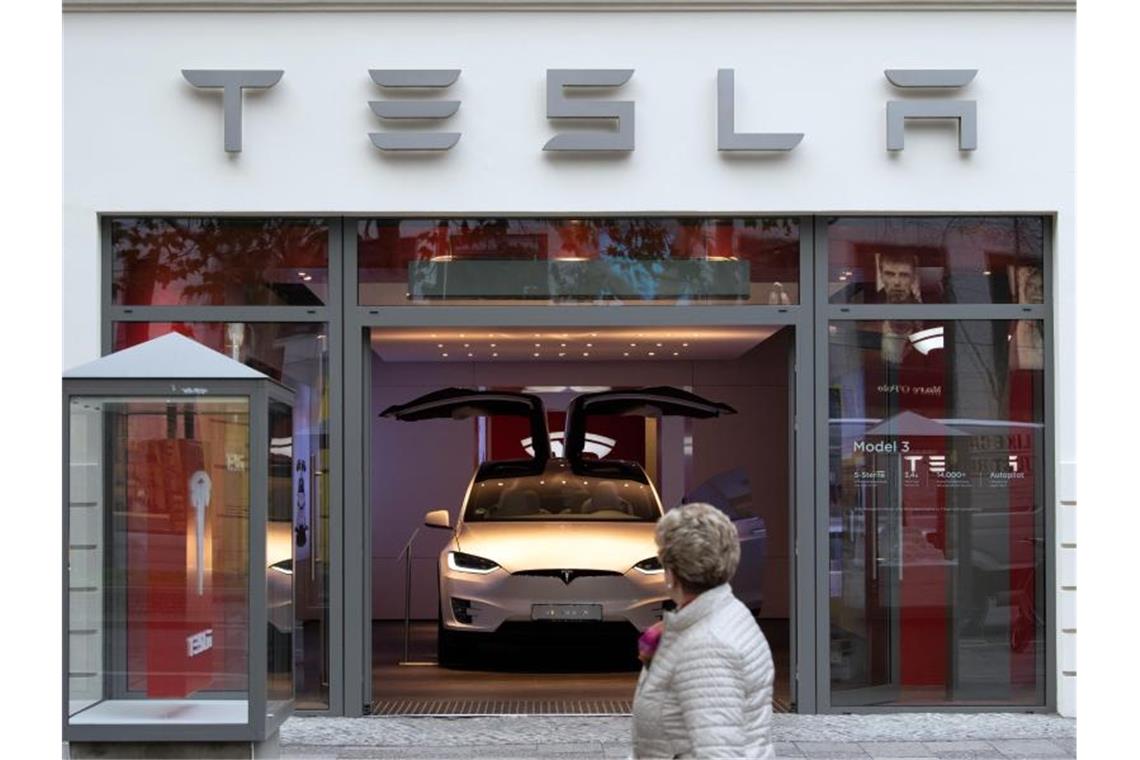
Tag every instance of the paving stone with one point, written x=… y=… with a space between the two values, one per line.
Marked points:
x=440 y=752
x=1067 y=743
x=617 y=751
x=895 y=749
x=1029 y=749
x=309 y=751
x=787 y=749
x=964 y=750
x=831 y=750
x=593 y=749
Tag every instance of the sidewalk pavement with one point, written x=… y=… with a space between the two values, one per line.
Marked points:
x=925 y=736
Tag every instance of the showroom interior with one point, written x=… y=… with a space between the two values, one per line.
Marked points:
x=738 y=462
x=885 y=462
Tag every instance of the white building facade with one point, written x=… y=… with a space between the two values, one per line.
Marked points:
x=996 y=80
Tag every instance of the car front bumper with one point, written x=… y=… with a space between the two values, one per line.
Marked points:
x=498 y=597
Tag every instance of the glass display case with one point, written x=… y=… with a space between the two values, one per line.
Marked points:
x=178 y=547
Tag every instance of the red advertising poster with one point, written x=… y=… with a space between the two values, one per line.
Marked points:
x=171 y=628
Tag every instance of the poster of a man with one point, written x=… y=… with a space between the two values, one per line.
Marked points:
x=896 y=278
x=1027 y=341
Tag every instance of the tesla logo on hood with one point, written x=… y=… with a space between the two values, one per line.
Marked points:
x=598 y=445
x=567 y=576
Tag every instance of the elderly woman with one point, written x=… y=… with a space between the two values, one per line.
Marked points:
x=706 y=688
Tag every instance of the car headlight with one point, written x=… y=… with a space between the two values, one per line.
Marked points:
x=469 y=563
x=650 y=566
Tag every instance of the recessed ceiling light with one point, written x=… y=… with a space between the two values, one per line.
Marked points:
x=538 y=345
x=633 y=345
x=440 y=345
x=444 y=355
x=676 y=354
x=625 y=353
x=494 y=354
x=589 y=345
x=467 y=345
x=561 y=353
x=652 y=354
x=492 y=345
x=564 y=345
x=685 y=345
x=585 y=353
x=659 y=345
x=593 y=335
x=536 y=353
x=470 y=354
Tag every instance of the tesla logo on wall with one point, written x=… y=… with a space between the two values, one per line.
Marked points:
x=616 y=113
x=598 y=445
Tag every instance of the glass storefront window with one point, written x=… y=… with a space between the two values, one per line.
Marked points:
x=935 y=259
x=279 y=558
x=647 y=260
x=216 y=261
x=296 y=355
x=158 y=570
x=937 y=537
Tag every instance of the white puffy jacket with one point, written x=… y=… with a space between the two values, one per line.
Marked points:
x=708 y=690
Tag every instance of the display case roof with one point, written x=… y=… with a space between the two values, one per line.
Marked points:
x=170 y=356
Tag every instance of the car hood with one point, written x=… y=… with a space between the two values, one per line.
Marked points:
x=556 y=545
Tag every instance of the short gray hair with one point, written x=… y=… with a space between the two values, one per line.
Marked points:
x=699 y=544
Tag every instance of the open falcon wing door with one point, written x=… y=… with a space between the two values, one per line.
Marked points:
x=657 y=401
x=461 y=403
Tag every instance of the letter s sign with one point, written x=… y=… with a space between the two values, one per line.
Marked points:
x=558 y=106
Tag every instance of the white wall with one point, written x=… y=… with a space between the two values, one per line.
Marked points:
x=138 y=139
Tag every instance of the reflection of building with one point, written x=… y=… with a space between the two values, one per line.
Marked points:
x=311 y=239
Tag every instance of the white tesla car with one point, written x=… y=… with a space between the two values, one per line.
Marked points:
x=551 y=539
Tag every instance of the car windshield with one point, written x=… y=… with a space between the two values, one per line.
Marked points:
x=561 y=497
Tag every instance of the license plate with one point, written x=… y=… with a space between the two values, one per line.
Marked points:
x=566 y=612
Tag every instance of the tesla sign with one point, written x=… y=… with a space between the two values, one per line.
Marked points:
x=613 y=119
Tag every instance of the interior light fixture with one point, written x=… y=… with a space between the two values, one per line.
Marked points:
x=444 y=355
x=536 y=353
x=585 y=353
x=494 y=354
x=684 y=345
x=625 y=353
x=652 y=353
x=307 y=277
